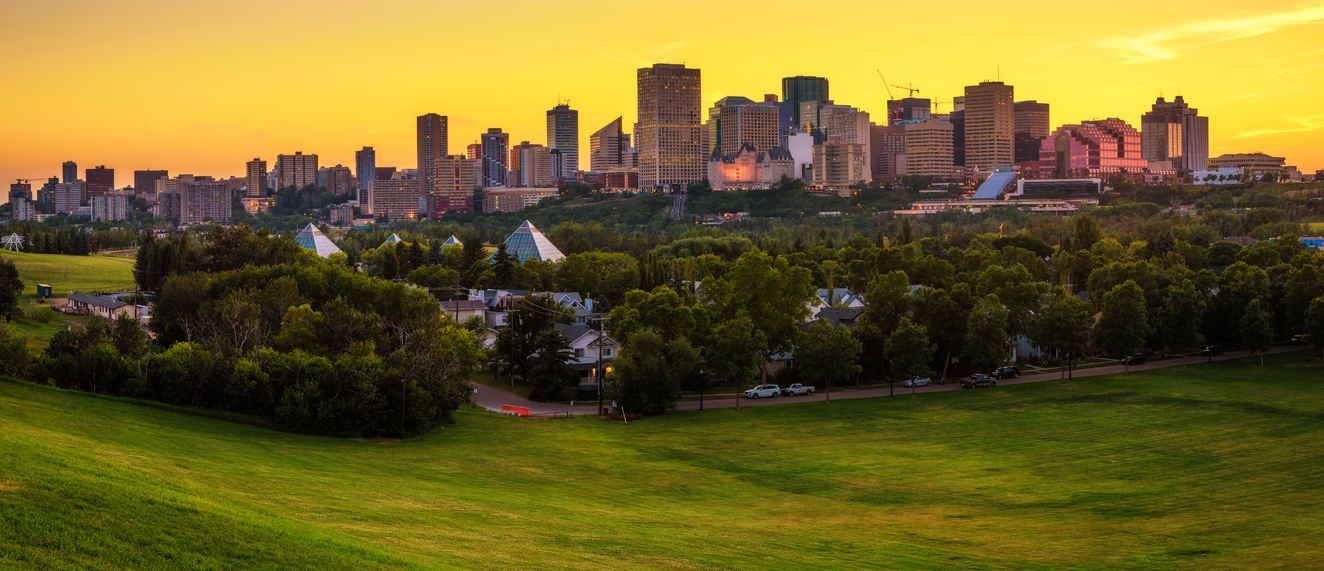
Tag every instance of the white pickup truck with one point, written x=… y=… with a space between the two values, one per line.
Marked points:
x=797 y=390
x=763 y=391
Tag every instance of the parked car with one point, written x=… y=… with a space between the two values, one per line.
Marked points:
x=797 y=390
x=918 y=382
x=1211 y=350
x=1133 y=359
x=1006 y=372
x=1300 y=339
x=978 y=380
x=764 y=391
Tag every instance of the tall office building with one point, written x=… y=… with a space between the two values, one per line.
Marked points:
x=669 y=133
x=339 y=180
x=100 y=181
x=714 y=125
x=1032 y=127
x=990 y=125
x=365 y=166
x=563 y=136
x=453 y=187
x=255 y=175
x=46 y=196
x=530 y=165
x=20 y=189
x=432 y=145
x=929 y=148
x=70 y=171
x=754 y=125
x=838 y=165
x=68 y=196
x=297 y=170
x=109 y=207
x=190 y=201
x=144 y=181
x=393 y=199
x=908 y=110
x=1175 y=132
x=608 y=146
x=1093 y=149
x=801 y=88
x=889 y=151
x=496 y=157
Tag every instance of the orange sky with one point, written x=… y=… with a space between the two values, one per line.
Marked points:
x=193 y=87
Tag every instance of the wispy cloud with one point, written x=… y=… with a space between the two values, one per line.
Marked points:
x=1303 y=124
x=1169 y=42
x=647 y=56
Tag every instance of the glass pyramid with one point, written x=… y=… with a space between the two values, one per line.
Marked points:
x=529 y=243
x=313 y=239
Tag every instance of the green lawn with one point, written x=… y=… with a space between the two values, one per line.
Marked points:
x=72 y=273
x=1213 y=467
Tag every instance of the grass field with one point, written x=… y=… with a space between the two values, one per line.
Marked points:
x=1216 y=467
x=72 y=273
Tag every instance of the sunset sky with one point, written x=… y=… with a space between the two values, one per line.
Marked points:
x=201 y=87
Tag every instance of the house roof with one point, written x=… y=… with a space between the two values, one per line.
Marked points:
x=529 y=243
x=836 y=316
x=462 y=305
x=313 y=239
x=98 y=301
x=574 y=333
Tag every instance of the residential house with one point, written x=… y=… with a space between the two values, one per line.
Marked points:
x=106 y=307
x=582 y=308
x=463 y=309
x=592 y=349
x=498 y=302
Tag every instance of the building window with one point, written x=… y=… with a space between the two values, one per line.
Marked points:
x=579 y=353
x=606 y=351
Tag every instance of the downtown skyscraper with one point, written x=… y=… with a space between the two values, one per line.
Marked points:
x=496 y=157
x=256 y=173
x=990 y=125
x=365 y=167
x=563 y=136
x=432 y=145
x=1175 y=132
x=670 y=128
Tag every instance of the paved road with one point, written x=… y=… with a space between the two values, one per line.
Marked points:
x=492 y=398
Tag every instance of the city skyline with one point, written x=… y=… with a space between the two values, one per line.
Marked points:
x=1113 y=71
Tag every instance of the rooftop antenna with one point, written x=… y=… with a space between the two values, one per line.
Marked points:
x=999 y=71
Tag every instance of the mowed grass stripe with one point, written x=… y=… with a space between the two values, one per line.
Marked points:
x=1214 y=467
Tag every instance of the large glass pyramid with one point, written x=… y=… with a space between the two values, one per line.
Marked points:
x=528 y=243
x=452 y=241
x=392 y=240
x=313 y=239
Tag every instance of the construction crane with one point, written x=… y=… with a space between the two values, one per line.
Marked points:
x=889 y=87
x=937 y=102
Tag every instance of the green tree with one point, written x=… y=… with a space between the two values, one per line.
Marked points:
x=1018 y=291
x=1255 y=330
x=661 y=310
x=737 y=350
x=1062 y=326
x=11 y=286
x=517 y=343
x=1183 y=318
x=945 y=315
x=648 y=373
x=503 y=267
x=986 y=334
x=13 y=352
x=889 y=299
x=1125 y=322
x=1086 y=232
x=436 y=254
x=550 y=370
x=1315 y=321
x=827 y=353
x=773 y=294
x=909 y=351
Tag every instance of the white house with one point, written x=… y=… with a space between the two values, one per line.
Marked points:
x=463 y=309
x=592 y=349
